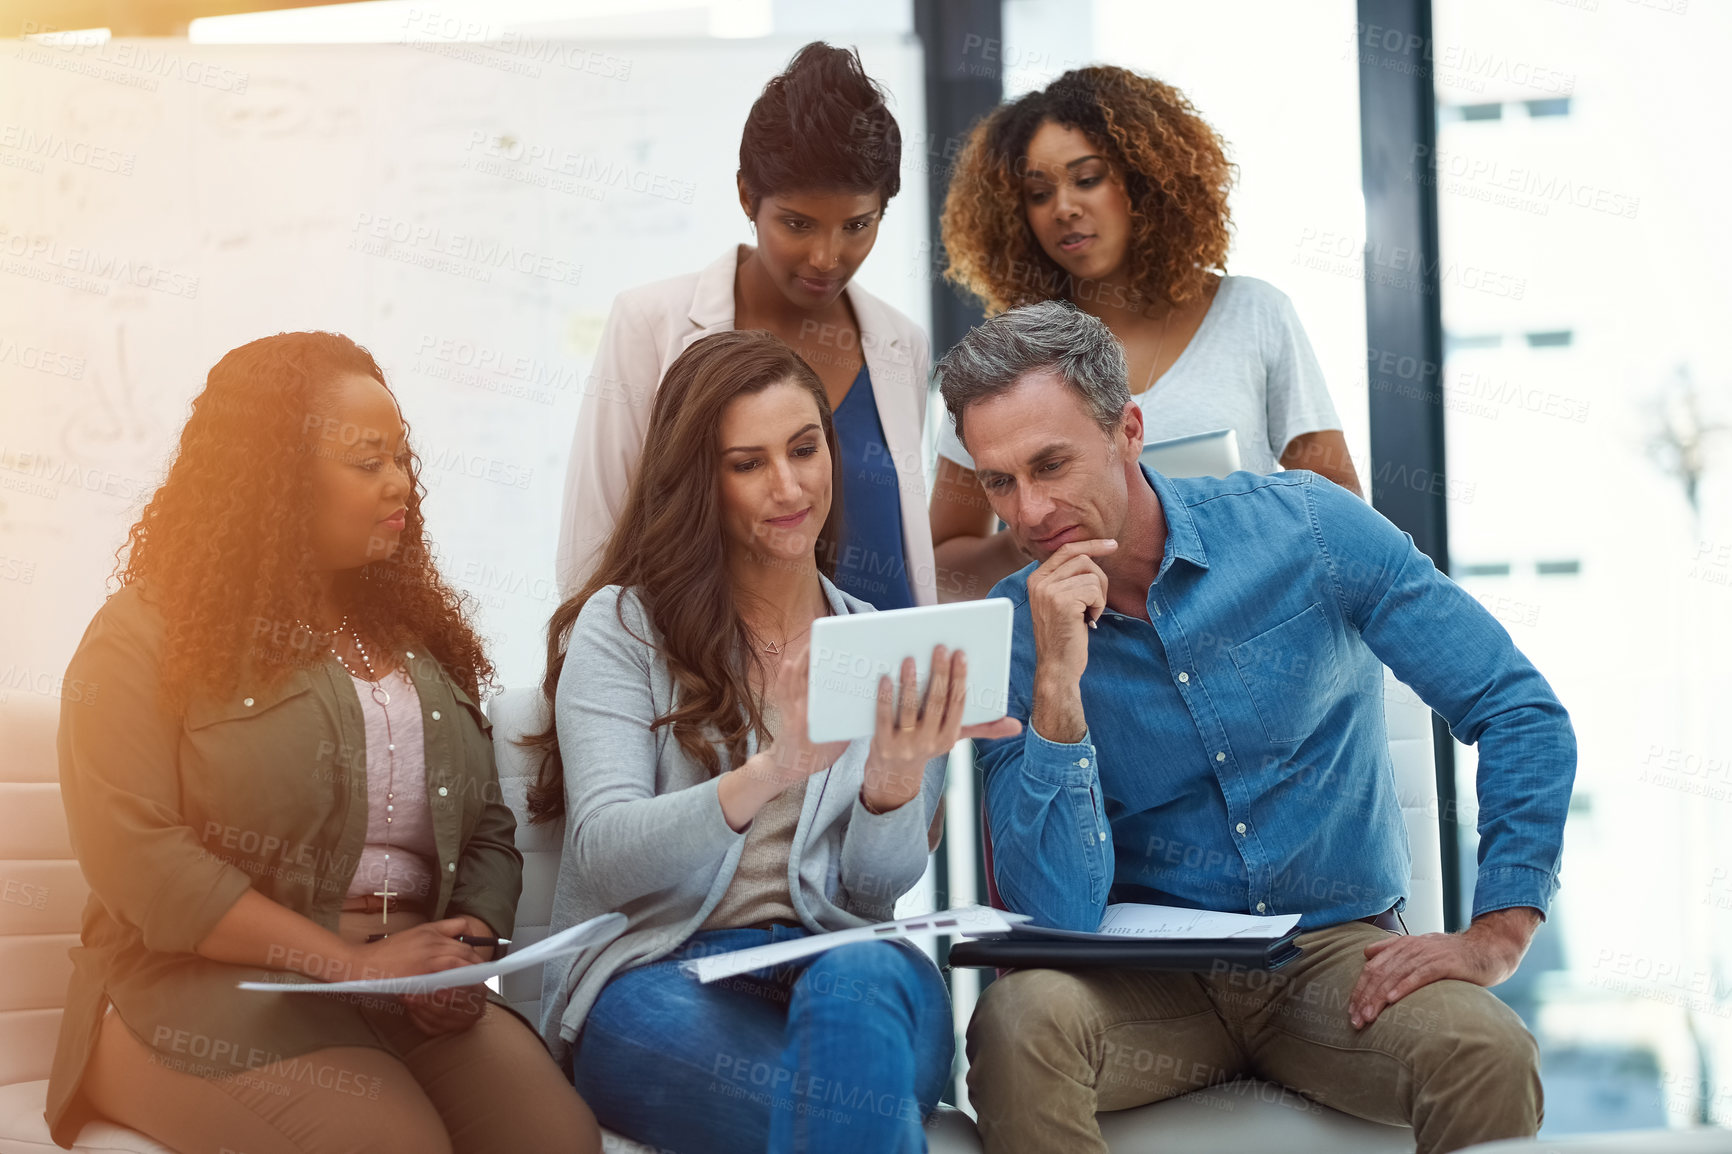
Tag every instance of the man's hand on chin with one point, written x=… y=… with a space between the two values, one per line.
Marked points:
x=1485 y=953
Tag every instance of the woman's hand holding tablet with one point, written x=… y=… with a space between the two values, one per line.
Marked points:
x=911 y=728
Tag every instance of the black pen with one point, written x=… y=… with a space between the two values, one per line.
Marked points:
x=466 y=939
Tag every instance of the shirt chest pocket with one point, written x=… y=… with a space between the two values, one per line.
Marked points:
x=1291 y=674
x=267 y=751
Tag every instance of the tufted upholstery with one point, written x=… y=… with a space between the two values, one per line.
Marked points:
x=42 y=895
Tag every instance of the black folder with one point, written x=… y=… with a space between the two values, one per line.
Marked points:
x=1054 y=950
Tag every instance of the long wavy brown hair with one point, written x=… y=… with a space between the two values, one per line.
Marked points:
x=1173 y=164
x=669 y=546
x=222 y=548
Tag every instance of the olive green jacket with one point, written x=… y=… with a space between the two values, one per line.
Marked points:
x=173 y=817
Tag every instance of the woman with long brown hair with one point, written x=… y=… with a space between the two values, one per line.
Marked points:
x=1109 y=190
x=286 y=777
x=695 y=803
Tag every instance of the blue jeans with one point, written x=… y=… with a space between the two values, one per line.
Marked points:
x=845 y=1051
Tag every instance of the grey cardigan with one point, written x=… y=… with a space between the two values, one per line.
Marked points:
x=645 y=833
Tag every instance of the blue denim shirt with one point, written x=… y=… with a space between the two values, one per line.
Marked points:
x=1236 y=757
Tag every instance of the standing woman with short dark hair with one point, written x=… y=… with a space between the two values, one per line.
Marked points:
x=285 y=761
x=820 y=159
x=1108 y=190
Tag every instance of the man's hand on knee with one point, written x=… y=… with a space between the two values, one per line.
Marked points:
x=1485 y=953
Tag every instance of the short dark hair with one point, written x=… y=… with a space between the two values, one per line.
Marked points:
x=821 y=126
x=1052 y=335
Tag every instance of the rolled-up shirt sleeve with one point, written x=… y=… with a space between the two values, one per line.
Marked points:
x=490 y=872
x=1463 y=663
x=120 y=783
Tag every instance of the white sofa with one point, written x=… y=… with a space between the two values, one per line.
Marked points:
x=42 y=894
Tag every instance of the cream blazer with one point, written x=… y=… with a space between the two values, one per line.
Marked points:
x=651 y=325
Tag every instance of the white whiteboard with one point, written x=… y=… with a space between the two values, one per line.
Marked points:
x=466 y=212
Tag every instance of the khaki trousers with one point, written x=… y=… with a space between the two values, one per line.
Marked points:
x=1048 y=1049
x=491 y=1087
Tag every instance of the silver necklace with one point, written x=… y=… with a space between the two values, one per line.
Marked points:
x=379 y=694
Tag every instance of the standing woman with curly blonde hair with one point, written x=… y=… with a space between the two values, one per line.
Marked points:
x=1108 y=190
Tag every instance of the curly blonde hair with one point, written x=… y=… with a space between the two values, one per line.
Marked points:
x=1173 y=165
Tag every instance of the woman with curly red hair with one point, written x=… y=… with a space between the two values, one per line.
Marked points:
x=285 y=761
x=1108 y=190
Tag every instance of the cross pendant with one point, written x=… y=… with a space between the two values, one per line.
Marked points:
x=385 y=908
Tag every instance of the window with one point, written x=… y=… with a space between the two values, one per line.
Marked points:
x=1621 y=588
x=1479 y=111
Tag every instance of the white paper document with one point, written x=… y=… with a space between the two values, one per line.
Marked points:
x=965 y=921
x=594 y=932
x=1174 y=923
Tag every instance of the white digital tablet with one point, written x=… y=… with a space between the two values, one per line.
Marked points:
x=1213 y=454
x=851 y=652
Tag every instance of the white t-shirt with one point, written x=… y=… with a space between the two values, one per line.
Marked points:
x=1249 y=368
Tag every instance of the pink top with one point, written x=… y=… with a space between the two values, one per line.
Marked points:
x=408 y=861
